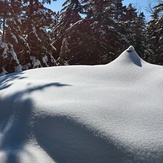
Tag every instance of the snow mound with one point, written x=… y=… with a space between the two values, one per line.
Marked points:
x=83 y=114
x=130 y=57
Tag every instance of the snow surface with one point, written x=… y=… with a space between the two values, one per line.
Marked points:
x=109 y=113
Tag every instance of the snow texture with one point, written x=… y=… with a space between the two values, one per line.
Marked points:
x=83 y=114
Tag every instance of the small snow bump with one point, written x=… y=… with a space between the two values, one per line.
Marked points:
x=130 y=49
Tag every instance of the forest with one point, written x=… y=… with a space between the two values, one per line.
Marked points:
x=83 y=32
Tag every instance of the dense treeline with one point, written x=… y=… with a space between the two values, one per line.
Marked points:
x=83 y=32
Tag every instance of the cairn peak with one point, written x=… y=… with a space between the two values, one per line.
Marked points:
x=131 y=49
x=130 y=56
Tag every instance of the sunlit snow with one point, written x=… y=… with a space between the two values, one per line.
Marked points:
x=109 y=113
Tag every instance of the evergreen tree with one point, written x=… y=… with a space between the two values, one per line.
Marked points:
x=28 y=48
x=91 y=39
x=9 y=60
x=4 y=15
x=102 y=9
x=154 y=50
x=133 y=26
x=69 y=15
x=38 y=38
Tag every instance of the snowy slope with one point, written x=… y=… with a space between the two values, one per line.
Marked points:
x=83 y=114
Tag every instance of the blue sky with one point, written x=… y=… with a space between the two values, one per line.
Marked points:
x=141 y=5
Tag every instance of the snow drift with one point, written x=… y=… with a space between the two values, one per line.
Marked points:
x=83 y=114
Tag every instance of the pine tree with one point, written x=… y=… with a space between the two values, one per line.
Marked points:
x=4 y=15
x=9 y=60
x=69 y=15
x=91 y=39
x=133 y=26
x=154 y=50
x=28 y=48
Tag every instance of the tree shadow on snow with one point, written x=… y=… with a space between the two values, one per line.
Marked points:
x=16 y=118
x=67 y=141
x=14 y=127
x=62 y=138
x=7 y=80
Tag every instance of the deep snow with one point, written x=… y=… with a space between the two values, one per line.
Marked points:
x=109 y=113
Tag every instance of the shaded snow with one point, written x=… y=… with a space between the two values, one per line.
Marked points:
x=83 y=114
